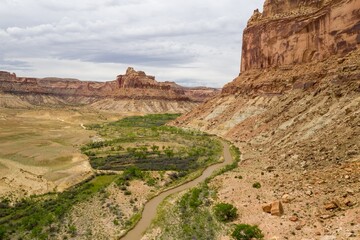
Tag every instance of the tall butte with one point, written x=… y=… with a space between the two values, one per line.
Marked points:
x=294 y=112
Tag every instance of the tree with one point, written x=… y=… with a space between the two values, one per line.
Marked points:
x=225 y=212
x=169 y=152
x=131 y=150
x=2 y=232
x=247 y=232
x=154 y=148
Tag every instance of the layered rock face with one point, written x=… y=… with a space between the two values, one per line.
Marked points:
x=134 y=85
x=294 y=111
x=294 y=32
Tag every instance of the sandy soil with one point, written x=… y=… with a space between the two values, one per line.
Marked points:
x=40 y=149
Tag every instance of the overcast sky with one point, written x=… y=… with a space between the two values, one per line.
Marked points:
x=192 y=42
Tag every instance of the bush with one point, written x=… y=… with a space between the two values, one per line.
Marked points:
x=151 y=182
x=133 y=172
x=2 y=232
x=193 y=199
x=72 y=230
x=246 y=232
x=225 y=212
x=256 y=185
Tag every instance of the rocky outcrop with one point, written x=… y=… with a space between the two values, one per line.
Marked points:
x=294 y=32
x=134 y=85
x=268 y=97
x=295 y=109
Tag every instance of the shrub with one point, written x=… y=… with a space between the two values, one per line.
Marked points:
x=72 y=230
x=133 y=172
x=151 y=182
x=2 y=232
x=256 y=185
x=247 y=232
x=194 y=198
x=225 y=212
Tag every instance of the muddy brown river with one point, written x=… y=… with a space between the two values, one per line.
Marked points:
x=150 y=208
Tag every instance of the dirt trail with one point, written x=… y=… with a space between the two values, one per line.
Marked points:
x=150 y=208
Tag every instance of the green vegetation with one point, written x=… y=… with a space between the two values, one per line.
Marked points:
x=145 y=142
x=190 y=218
x=133 y=145
x=256 y=185
x=247 y=232
x=225 y=212
x=2 y=232
x=133 y=220
x=39 y=216
x=235 y=153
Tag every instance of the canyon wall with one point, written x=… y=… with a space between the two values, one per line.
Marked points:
x=293 y=32
x=294 y=112
x=132 y=88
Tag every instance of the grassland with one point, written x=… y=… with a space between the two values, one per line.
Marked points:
x=40 y=149
x=145 y=142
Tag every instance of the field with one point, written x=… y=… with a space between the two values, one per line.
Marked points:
x=40 y=149
x=145 y=142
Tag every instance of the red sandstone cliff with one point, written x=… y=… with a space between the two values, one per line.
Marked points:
x=294 y=32
x=294 y=111
x=134 y=85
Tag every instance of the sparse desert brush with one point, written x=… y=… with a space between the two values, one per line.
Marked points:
x=246 y=232
x=225 y=212
x=256 y=185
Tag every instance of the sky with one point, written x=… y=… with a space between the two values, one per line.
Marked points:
x=191 y=42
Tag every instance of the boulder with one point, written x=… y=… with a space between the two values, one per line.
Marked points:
x=267 y=208
x=331 y=206
x=274 y=208
x=277 y=209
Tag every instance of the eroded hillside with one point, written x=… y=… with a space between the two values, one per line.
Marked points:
x=132 y=92
x=295 y=113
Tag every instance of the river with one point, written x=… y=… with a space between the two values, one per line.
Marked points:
x=150 y=208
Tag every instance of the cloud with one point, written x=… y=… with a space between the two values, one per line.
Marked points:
x=194 y=42
x=143 y=59
x=14 y=65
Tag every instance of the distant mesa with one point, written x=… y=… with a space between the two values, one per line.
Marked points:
x=133 y=85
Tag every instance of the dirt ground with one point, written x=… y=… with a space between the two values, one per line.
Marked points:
x=305 y=214
x=40 y=149
x=302 y=145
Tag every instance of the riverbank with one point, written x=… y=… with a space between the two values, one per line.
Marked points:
x=151 y=207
